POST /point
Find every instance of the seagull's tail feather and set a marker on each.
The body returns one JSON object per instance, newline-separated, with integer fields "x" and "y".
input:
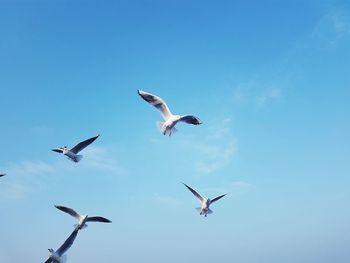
{"x": 78, "y": 158}
{"x": 63, "y": 258}
{"x": 160, "y": 126}
{"x": 210, "y": 212}
{"x": 173, "y": 130}
{"x": 80, "y": 227}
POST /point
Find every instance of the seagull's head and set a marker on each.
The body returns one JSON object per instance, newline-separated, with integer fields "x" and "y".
{"x": 64, "y": 149}
{"x": 51, "y": 250}
{"x": 82, "y": 222}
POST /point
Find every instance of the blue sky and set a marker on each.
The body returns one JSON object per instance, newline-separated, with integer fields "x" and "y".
{"x": 270, "y": 81}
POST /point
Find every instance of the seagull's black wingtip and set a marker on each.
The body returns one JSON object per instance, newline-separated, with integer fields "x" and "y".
{"x": 185, "y": 184}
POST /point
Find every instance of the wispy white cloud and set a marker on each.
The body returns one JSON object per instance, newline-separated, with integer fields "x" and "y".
{"x": 100, "y": 158}
{"x": 257, "y": 93}
{"x": 272, "y": 93}
{"x": 214, "y": 191}
{"x": 166, "y": 200}
{"x": 240, "y": 184}
{"x": 42, "y": 130}
{"x": 231, "y": 188}
{"x": 332, "y": 28}
{"x": 24, "y": 178}
{"x": 27, "y": 168}
{"x": 213, "y": 151}
{"x": 240, "y": 187}
{"x": 270, "y": 85}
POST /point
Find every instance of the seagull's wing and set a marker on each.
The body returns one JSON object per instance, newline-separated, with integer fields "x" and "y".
{"x": 49, "y": 260}
{"x": 81, "y": 145}
{"x": 68, "y": 210}
{"x": 157, "y": 102}
{"x": 68, "y": 243}
{"x": 98, "y": 219}
{"x": 216, "y": 198}
{"x": 195, "y": 193}
{"x": 58, "y": 150}
{"x": 1, "y": 175}
{"x": 190, "y": 119}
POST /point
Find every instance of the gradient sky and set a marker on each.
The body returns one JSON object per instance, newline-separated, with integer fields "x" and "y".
{"x": 270, "y": 81}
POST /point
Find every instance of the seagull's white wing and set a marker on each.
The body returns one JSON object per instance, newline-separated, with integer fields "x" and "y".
{"x": 68, "y": 243}
{"x": 157, "y": 102}
{"x": 68, "y": 210}
{"x": 80, "y": 146}
{"x": 98, "y": 219}
{"x": 191, "y": 119}
{"x": 195, "y": 193}
{"x": 216, "y": 198}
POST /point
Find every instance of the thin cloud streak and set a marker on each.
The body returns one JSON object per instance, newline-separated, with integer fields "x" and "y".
{"x": 27, "y": 177}
{"x": 257, "y": 93}
{"x": 100, "y": 158}
{"x": 215, "y": 150}
{"x": 24, "y": 178}
{"x": 166, "y": 200}
{"x": 332, "y": 28}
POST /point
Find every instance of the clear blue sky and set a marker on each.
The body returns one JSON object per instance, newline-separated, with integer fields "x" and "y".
{"x": 270, "y": 81}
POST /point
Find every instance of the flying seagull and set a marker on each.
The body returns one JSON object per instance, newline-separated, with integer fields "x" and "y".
{"x": 168, "y": 126}
{"x": 1, "y": 175}
{"x": 73, "y": 153}
{"x": 205, "y": 202}
{"x": 56, "y": 256}
{"x": 82, "y": 218}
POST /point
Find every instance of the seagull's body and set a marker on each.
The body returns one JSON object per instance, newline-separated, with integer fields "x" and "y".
{"x": 170, "y": 120}
{"x": 72, "y": 154}
{"x": 205, "y": 202}
{"x": 82, "y": 219}
{"x": 56, "y": 256}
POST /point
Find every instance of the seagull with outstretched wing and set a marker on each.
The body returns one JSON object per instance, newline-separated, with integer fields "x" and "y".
{"x": 168, "y": 126}
{"x": 82, "y": 219}
{"x": 205, "y": 202}
{"x": 72, "y": 154}
{"x": 57, "y": 256}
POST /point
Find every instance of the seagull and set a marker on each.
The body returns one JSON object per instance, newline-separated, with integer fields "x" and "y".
{"x": 82, "y": 218}
{"x": 205, "y": 202}
{"x": 168, "y": 126}
{"x": 1, "y": 175}
{"x": 73, "y": 153}
{"x": 56, "y": 256}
